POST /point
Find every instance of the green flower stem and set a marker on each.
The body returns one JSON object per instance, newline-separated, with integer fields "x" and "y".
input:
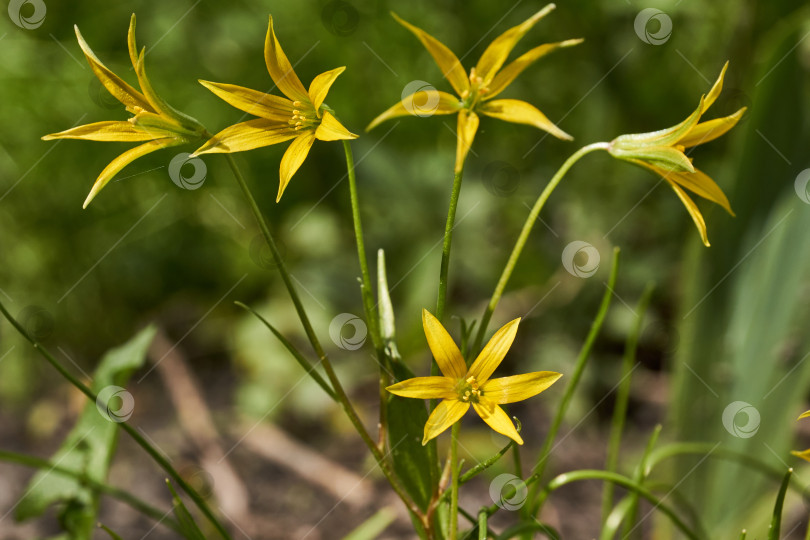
{"x": 340, "y": 393}
{"x": 622, "y": 400}
{"x": 94, "y": 485}
{"x": 524, "y": 236}
{"x": 441, "y": 301}
{"x": 482, "y": 525}
{"x": 579, "y": 368}
{"x": 368, "y": 297}
{"x": 622, "y": 481}
{"x": 366, "y": 288}
{"x": 153, "y": 453}
{"x": 454, "y": 480}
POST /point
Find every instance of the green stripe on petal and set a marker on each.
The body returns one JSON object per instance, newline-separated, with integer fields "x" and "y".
{"x": 113, "y": 130}
{"x": 248, "y": 135}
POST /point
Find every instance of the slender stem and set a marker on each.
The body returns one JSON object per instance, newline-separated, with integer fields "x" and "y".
{"x": 366, "y": 288}
{"x": 367, "y": 293}
{"x": 454, "y": 480}
{"x": 340, "y": 393}
{"x": 153, "y": 453}
{"x": 622, "y": 401}
{"x": 94, "y": 485}
{"x": 482, "y": 524}
{"x": 441, "y": 301}
{"x": 524, "y": 236}
{"x": 582, "y": 360}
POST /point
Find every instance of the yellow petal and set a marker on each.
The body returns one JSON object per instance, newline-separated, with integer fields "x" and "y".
{"x": 498, "y": 51}
{"x": 320, "y": 86}
{"x": 132, "y": 47}
{"x": 710, "y": 130}
{"x": 508, "y": 74}
{"x": 103, "y": 131}
{"x": 119, "y": 89}
{"x": 467, "y": 127}
{"x": 662, "y": 137}
{"x": 280, "y": 69}
{"x": 293, "y": 158}
{"x": 247, "y": 136}
{"x": 497, "y": 419}
{"x": 444, "y": 57}
{"x": 805, "y": 414}
{"x": 804, "y": 454}
{"x": 425, "y": 388}
{"x": 701, "y": 184}
{"x": 158, "y": 103}
{"x": 660, "y": 158}
{"x": 716, "y": 89}
{"x": 446, "y": 413}
{"x": 520, "y": 112}
{"x": 444, "y": 349}
{"x": 518, "y": 387}
{"x": 252, "y": 101}
{"x": 122, "y": 161}
{"x": 332, "y": 130}
{"x": 421, "y": 103}
{"x": 693, "y": 210}
{"x": 494, "y": 351}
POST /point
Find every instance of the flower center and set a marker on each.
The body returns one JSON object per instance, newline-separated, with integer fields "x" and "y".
{"x": 303, "y": 116}
{"x": 476, "y": 92}
{"x": 468, "y": 390}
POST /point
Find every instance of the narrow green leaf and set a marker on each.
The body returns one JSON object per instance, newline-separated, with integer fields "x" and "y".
{"x": 776, "y": 520}
{"x": 89, "y": 447}
{"x": 109, "y": 532}
{"x": 373, "y": 527}
{"x": 188, "y": 526}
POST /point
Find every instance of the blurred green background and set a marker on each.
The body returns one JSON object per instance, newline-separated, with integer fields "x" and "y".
{"x": 727, "y": 324}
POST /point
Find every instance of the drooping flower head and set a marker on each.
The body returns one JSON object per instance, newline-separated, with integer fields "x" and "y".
{"x": 459, "y": 386}
{"x": 153, "y": 120}
{"x": 475, "y": 91}
{"x": 663, "y": 152}
{"x": 302, "y": 116}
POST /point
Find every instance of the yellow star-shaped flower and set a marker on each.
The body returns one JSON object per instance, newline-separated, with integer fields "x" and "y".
{"x": 475, "y": 92}
{"x": 663, "y": 153}
{"x": 302, "y": 116}
{"x": 460, "y": 387}
{"x": 154, "y": 120}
